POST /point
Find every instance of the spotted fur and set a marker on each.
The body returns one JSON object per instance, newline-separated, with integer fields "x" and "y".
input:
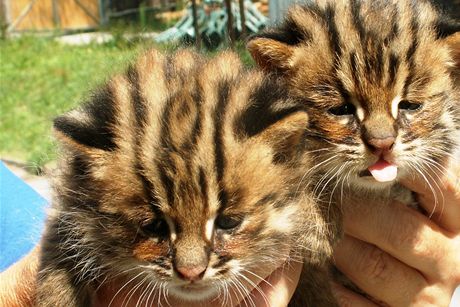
{"x": 182, "y": 177}
{"x": 370, "y": 73}
{"x": 368, "y": 70}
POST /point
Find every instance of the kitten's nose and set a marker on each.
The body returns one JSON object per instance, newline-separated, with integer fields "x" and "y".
{"x": 381, "y": 144}
{"x": 192, "y": 273}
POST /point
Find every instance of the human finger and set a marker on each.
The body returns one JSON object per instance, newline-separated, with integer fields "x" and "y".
{"x": 405, "y": 234}
{"x": 348, "y": 298}
{"x": 377, "y": 273}
{"x": 17, "y": 283}
{"x": 439, "y": 195}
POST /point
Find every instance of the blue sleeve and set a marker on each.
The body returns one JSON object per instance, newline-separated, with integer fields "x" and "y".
{"x": 22, "y": 216}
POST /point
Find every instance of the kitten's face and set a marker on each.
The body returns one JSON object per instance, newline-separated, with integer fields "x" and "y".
{"x": 191, "y": 195}
{"x": 208, "y": 236}
{"x": 375, "y": 78}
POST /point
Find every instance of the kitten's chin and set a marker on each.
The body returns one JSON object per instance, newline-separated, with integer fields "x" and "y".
{"x": 193, "y": 293}
{"x": 369, "y": 183}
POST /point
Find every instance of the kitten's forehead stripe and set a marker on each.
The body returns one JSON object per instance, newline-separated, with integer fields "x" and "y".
{"x": 223, "y": 92}
{"x": 140, "y": 110}
{"x": 138, "y": 101}
{"x": 166, "y": 166}
{"x": 410, "y": 54}
{"x": 147, "y": 185}
{"x": 357, "y": 20}
{"x": 204, "y": 186}
{"x": 334, "y": 40}
{"x": 392, "y": 35}
{"x": 393, "y": 68}
{"x": 197, "y": 96}
{"x": 354, "y": 66}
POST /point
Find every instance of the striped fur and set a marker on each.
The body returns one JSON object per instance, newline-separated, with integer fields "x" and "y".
{"x": 181, "y": 162}
{"x": 373, "y": 57}
{"x": 358, "y": 67}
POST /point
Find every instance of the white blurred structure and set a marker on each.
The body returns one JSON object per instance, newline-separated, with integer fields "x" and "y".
{"x": 277, "y": 9}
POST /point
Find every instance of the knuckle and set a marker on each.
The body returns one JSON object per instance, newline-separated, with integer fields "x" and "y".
{"x": 431, "y": 297}
{"x": 345, "y": 301}
{"x": 375, "y": 265}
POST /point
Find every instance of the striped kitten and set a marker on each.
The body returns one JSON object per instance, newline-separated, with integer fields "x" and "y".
{"x": 379, "y": 80}
{"x": 181, "y": 179}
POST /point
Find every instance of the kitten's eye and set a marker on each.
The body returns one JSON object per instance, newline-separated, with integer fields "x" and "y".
{"x": 345, "y": 109}
{"x": 409, "y": 106}
{"x": 157, "y": 228}
{"x": 228, "y": 222}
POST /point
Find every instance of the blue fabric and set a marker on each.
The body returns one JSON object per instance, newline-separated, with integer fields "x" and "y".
{"x": 22, "y": 215}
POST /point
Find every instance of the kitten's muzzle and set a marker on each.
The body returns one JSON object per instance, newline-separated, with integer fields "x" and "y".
{"x": 379, "y": 134}
{"x": 364, "y": 173}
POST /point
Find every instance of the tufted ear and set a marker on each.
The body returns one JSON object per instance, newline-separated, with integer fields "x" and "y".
{"x": 286, "y": 136}
{"x": 453, "y": 41}
{"x": 448, "y": 21}
{"x": 270, "y": 54}
{"x": 273, "y": 49}
{"x": 448, "y": 30}
{"x": 91, "y": 126}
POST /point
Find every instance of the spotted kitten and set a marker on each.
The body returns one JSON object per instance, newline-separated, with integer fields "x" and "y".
{"x": 379, "y": 80}
{"x": 181, "y": 178}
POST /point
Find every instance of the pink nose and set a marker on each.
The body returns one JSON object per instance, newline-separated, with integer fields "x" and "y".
{"x": 381, "y": 144}
{"x": 191, "y": 273}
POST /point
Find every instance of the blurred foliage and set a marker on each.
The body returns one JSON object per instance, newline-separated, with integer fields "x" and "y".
{"x": 41, "y": 78}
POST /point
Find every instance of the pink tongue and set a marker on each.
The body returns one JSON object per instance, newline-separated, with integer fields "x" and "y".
{"x": 383, "y": 171}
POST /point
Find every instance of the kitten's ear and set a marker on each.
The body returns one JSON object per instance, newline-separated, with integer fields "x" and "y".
{"x": 448, "y": 30}
{"x": 89, "y": 127}
{"x": 446, "y": 27}
{"x": 270, "y": 54}
{"x": 273, "y": 49}
{"x": 286, "y": 135}
{"x": 453, "y": 41}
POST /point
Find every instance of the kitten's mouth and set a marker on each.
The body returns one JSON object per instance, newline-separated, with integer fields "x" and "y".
{"x": 194, "y": 287}
{"x": 382, "y": 171}
{"x": 365, "y": 173}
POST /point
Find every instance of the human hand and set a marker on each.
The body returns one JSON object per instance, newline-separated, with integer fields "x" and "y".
{"x": 399, "y": 256}
{"x": 17, "y": 283}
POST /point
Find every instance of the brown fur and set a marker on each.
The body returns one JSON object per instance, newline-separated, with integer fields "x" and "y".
{"x": 365, "y": 55}
{"x": 155, "y": 166}
{"x": 369, "y": 54}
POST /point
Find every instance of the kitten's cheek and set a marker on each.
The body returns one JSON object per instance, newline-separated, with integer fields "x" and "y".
{"x": 149, "y": 250}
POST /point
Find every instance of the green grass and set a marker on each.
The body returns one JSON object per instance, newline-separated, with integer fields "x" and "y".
{"x": 40, "y": 79}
